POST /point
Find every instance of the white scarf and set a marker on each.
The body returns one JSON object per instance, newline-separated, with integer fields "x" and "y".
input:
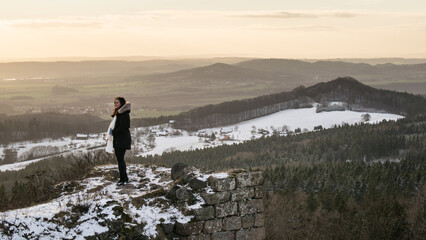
{"x": 109, "y": 138}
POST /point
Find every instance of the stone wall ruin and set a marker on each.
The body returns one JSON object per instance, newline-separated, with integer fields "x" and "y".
{"x": 233, "y": 206}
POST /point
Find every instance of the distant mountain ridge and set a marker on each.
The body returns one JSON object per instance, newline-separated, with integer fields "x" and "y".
{"x": 180, "y": 85}
{"x": 331, "y": 69}
{"x": 347, "y": 89}
{"x": 102, "y": 67}
{"x": 287, "y": 74}
{"x": 373, "y": 61}
{"x": 215, "y": 72}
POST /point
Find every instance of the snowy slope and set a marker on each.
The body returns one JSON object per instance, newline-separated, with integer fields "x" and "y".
{"x": 99, "y": 204}
{"x": 303, "y": 118}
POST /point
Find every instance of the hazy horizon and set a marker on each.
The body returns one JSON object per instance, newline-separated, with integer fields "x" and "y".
{"x": 305, "y": 29}
{"x": 179, "y": 57}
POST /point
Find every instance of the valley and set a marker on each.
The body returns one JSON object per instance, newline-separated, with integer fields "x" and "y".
{"x": 168, "y": 87}
{"x": 164, "y": 138}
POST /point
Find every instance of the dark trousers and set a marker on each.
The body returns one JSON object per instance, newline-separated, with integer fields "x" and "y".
{"x": 119, "y": 154}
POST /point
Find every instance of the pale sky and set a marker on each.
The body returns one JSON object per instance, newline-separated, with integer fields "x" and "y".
{"x": 173, "y": 28}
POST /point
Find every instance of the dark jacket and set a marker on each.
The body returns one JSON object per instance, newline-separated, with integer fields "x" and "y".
{"x": 121, "y": 131}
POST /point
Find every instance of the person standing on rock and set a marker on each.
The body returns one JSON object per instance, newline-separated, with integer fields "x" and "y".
{"x": 121, "y": 135}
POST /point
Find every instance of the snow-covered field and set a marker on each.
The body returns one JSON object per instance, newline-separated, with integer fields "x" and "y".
{"x": 305, "y": 119}
{"x": 152, "y": 140}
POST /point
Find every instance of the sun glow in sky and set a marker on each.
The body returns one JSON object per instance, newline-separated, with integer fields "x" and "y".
{"x": 172, "y": 28}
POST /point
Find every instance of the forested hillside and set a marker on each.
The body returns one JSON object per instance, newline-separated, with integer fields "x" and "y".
{"x": 361, "y": 96}
{"x": 357, "y": 95}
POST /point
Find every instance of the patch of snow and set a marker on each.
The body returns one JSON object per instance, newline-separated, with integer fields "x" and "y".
{"x": 90, "y": 228}
{"x": 181, "y": 143}
{"x": 220, "y": 175}
{"x": 154, "y": 215}
{"x": 384, "y": 160}
{"x": 198, "y": 204}
{"x": 337, "y": 103}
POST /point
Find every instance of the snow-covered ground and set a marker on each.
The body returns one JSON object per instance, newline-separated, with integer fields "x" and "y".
{"x": 48, "y": 148}
{"x": 100, "y": 196}
{"x": 182, "y": 143}
{"x": 151, "y": 141}
{"x": 63, "y": 144}
{"x": 305, "y": 119}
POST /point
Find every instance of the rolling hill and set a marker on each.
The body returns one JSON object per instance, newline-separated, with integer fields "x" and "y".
{"x": 360, "y": 97}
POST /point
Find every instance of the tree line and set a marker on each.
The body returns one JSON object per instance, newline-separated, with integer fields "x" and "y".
{"x": 47, "y": 125}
